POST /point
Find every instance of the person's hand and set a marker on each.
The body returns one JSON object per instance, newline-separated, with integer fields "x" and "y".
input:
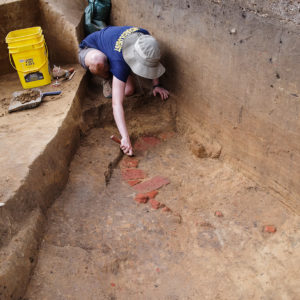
{"x": 126, "y": 146}
{"x": 164, "y": 94}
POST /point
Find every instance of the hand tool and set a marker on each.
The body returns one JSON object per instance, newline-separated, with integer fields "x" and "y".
{"x": 118, "y": 141}
{"x": 115, "y": 139}
{"x": 28, "y": 99}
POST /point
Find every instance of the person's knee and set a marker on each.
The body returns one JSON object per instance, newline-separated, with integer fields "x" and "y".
{"x": 98, "y": 64}
{"x": 129, "y": 90}
{"x": 130, "y": 86}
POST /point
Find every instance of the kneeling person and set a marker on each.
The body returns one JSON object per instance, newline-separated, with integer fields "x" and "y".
{"x": 119, "y": 50}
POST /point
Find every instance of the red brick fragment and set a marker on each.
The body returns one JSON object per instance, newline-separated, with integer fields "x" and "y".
{"x": 146, "y": 142}
{"x": 113, "y": 284}
{"x": 129, "y": 163}
{"x": 132, "y": 174}
{"x": 152, "y": 194}
{"x": 166, "y": 209}
{"x": 151, "y": 184}
{"x": 269, "y": 229}
{"x": 219, "y": 214}
{"x": 151, "y": 140}
{"x": 140, "y": 146}
{"x": 166, "y": 135}
{"x": 133, "y": 182}
{"x": 141, "y": 198}
{"x": 154, "y": 203}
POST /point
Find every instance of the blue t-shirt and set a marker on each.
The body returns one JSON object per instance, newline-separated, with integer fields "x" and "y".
{"x": 110, "y": 41}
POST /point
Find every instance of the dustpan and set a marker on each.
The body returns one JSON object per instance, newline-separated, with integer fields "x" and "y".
{"x": 28, "y": 99}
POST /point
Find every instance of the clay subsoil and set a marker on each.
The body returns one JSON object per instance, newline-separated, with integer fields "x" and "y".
{"x": 102, "y": 244}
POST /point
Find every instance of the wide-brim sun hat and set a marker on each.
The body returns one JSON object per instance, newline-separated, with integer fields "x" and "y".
{"x": 141, "y": 52}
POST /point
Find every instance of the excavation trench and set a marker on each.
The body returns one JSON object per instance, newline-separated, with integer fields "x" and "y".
{"x": 226, "y": 142}
{"x": 102, "y": 244}
{"x": 203, "y": 240}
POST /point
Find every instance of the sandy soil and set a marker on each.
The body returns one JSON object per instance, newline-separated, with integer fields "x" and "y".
{"x": 19, "y": 130}
{"x": 27, "y": 96}
{"x": 101, "y": 244}
{"x": 4, "y": 103}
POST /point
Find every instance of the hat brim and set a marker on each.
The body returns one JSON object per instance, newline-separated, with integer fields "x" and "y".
{"x": 129, "y": 55}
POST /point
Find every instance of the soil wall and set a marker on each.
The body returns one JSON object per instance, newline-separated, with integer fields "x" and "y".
{"x": 234, "y": 67}
{"x": 23, "y": 217}
{"x": 15, "y": 15}
{"x": 61, "y": 21}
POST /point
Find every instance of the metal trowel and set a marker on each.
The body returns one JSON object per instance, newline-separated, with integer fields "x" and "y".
{"x": 28, "y": 99}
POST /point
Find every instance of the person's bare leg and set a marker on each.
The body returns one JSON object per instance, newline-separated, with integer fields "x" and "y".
{"x": 98, "y": 65}
{"x": 130, "y": 86}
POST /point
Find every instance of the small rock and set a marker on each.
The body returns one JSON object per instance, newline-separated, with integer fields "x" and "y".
{"x": 198, "y": 150}
{"x": 233, "y": 31}
{"x": 2, "y": 204}
{"x": 219, "y": 214}
{"x": 269, "y": 229}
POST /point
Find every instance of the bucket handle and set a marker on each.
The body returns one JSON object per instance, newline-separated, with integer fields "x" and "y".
{"x": 34, "y": 70}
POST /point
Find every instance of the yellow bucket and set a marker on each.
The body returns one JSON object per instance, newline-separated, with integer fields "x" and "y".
{"x": 28, "y": 50}
{"x": 17, "y": 36}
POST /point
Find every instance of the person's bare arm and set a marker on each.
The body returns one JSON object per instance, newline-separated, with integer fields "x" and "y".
{"x": 118, "y": 92}
{"x": 164, "y": 94}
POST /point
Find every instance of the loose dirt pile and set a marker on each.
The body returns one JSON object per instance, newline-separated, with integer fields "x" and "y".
{"x": 4, "y": 103}
{"x": 25, "y": 97}
{"x": 28, "y": 96}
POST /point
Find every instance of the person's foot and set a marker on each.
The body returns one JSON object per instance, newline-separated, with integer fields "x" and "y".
{"x": 107, "y": 89}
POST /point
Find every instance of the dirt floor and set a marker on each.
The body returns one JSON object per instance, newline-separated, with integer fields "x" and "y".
{"x": 203, "y": 240}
